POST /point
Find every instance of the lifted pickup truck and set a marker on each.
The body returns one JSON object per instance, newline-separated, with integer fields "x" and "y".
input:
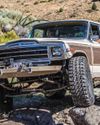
{"x": 58, "y": 56}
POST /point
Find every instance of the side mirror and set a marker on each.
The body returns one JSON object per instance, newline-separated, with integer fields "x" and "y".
{"x": 94, "y": 37}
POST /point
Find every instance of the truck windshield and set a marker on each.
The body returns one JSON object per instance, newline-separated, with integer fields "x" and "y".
{"x": 70, "y": 31}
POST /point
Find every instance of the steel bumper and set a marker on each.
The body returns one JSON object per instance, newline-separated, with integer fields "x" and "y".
{"x": 31, "y": 71}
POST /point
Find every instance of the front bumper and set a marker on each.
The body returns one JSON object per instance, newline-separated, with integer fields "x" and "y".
{"x": 29, "y": 72}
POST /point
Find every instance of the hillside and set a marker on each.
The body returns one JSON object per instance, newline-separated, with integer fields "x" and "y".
{"x": 54, "y": 9}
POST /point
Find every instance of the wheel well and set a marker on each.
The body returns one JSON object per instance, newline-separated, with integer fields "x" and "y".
{"x": 75, "y": 55}
{"x": 79, "y": 54}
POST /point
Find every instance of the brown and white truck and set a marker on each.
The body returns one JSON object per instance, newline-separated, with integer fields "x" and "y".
{"x": 58, "y": 56}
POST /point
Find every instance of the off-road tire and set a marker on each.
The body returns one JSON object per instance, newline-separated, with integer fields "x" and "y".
{"x": 80, "y": 82}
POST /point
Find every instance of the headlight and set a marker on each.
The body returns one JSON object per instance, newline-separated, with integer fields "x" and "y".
{"x": 56, "y": 51}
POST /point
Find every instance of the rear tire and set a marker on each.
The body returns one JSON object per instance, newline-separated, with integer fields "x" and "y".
{"x": 80, "y": 82}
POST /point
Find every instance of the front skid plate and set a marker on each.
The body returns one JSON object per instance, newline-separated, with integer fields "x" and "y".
{"x": 33, "y": 71}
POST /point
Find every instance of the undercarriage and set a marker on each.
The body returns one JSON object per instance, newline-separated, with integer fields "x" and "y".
{"x": 50, "y": 85}
{"x": 29, "y": 85}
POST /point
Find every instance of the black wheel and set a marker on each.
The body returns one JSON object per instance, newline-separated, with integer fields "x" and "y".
{"x": 56, "y": 95}
{"x": 80, "y": 82}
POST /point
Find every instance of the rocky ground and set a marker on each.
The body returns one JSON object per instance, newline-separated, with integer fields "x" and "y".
{"x": 26, "y": 107}
{"x": 54, "y": 9}
{"x": 28, "y": 110}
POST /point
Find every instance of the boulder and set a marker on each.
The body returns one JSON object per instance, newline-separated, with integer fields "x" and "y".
{"x": 33, "y": 117}
{"x": 21, "y": 31}
{"x": 7, "y": 28}
{"x": 86, "y": 116}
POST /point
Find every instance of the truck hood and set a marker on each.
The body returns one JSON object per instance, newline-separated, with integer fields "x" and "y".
{"x": 32, "y": 42}
{"x": 24, "y": 43}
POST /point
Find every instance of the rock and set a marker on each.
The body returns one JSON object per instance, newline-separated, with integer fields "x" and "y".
{"x": 86, "y": 116}
{"x": 6, "y": 28}
{"x": 33, "y": 117}
{"x": 63, "y": 117}
{"x": 21, "y": 31}
{"x": 26, "y": 108}
{"x": 97, "y": 92}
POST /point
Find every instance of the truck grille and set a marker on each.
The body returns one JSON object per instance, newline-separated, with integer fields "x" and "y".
{"x": 24, "y": 53}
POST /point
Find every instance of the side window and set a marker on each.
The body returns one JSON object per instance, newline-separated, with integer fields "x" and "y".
{"x": 38, "y": 33}
{"x": 95, "y": 32}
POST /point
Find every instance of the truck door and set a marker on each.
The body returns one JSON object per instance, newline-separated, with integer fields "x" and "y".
{"x": 95, "y": 37}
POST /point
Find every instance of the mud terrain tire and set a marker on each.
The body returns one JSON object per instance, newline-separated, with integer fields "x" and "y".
{"x": 80, "y": 82}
